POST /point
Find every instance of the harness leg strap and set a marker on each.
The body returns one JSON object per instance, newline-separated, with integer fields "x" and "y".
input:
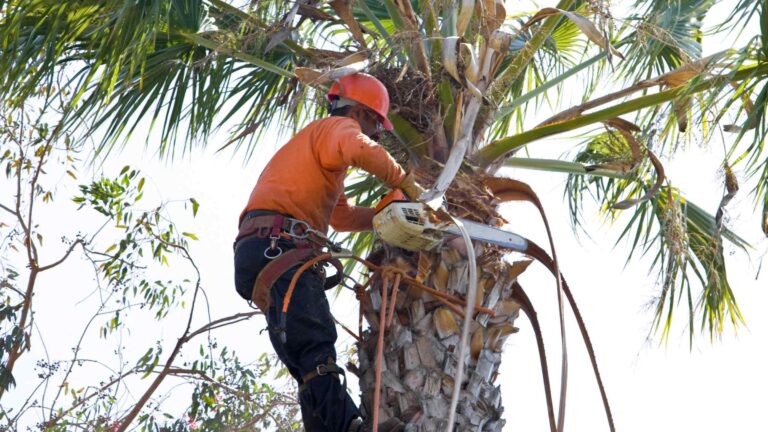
{"x": 329, "y": 367}
{"x": 272, "y": 272}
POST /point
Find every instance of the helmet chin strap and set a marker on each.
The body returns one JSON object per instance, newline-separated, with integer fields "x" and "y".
{"x": 341, "y": 102}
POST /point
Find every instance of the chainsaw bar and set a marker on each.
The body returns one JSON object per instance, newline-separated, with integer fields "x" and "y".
{"x": 407, "y": 225}
{"x": 487, "y": 234}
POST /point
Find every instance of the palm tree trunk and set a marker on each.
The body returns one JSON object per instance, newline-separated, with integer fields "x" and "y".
{"x": 421, "y": 346}
{"x": 421, "y": 343}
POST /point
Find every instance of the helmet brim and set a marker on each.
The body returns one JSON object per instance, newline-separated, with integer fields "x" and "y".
{"x": 387, "y": 124}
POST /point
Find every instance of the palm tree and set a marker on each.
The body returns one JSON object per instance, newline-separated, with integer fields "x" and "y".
{"x": 462, "y": 77}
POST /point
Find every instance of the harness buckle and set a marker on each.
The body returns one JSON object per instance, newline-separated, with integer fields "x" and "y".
{"x": 322, "y": 369}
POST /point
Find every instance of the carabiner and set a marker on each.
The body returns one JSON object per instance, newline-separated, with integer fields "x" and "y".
{"x": 273, "y": 247}
{"x": 305, "y": 232}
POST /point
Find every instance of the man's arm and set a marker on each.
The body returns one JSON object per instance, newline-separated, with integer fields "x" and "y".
{"x": 346, "y": 145}
{"x": 345, "y": 218}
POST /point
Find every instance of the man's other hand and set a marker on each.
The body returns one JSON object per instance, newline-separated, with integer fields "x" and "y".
{"x": 411, "y": 187}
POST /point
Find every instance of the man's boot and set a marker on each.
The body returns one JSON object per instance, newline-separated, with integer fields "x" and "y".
{"x": 391, "y": 425}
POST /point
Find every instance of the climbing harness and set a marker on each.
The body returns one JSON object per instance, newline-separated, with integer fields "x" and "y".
{"x": 307, "y": 243}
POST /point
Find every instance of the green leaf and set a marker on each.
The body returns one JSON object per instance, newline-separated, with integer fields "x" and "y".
{"x": 195, "y": 206}
{"x": 152, "y": 366}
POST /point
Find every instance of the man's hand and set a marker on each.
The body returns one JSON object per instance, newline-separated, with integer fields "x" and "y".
{"x": 411, "y": 187}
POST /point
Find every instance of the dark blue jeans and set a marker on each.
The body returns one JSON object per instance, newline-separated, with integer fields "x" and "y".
{"x": 310, "y": 336}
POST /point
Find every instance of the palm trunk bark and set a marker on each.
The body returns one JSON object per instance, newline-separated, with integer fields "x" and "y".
{"x": 421, "y": 344}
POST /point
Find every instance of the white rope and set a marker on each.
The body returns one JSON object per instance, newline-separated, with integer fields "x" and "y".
{"x": 468, "y": 317}
{"x": 563, "y": 347}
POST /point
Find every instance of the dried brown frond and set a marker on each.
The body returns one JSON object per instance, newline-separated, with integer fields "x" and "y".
{"x": 467, "y": 197}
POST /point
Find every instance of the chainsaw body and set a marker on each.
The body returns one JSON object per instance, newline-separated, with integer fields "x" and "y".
{"x": 406, "y": 225}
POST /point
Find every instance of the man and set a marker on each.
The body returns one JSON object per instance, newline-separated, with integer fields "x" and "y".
{"x": 303, "y": 186}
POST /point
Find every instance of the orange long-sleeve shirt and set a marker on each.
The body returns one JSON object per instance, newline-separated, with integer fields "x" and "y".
{"x": 305, "y": 178}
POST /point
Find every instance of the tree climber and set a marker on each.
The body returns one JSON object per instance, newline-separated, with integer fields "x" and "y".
{"x": 302, "y": 189}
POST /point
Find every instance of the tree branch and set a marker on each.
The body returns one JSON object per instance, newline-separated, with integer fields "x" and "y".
{"x": 52, "y": 422}
{"x": 8, "y": 209}
{"x": 16, "y": 348}
{"x": 203, "y": 376}
{"x": 4, "y": 284}
{"x": 66, "y": 255}
{"x": 76, "y": 350}
{"x": 232, "y": 319}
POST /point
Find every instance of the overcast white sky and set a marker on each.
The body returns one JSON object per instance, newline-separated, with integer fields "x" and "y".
{"x": 709, "y": 387}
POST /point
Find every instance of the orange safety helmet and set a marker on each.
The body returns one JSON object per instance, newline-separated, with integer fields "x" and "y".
{"x": 365, "y": 89}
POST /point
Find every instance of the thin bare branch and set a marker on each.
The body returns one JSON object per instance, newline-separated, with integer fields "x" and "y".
{"x": 8, "y": 209}
{"x": 62, "y": 259}
{"x": 232, "y": 319}
{"x": 52, "y": 422}
{"x": 134, "y": 412}
{"x": 5, "y": 284}
{"x": 76, "y": 351}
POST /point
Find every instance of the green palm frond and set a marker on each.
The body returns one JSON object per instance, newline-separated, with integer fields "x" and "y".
{"x": 684, "y": 239}
{"x": 519, "y": 103}
{"x": 559, "y": 56}
{"x": 564, "y": 48}
{"x": 187, "y": 68}
{"x": 663, "y": 35}
{"x": 743, "y": 12}
{"x": 511, "y": 72}
{"x": 763, "y": 31}
{"x": 165, "y": 61}
{"x": 699, "y": 83}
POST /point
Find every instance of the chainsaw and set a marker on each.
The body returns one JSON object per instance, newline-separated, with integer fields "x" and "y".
{"x": 413, "y": 226}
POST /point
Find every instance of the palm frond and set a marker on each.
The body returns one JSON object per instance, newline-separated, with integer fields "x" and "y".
{"x": 167, "y": 61}
{"x": 503, "y": 115}
{"x": 519, "y": 62}
{"x": 662, "y": 36}
{"x": 742, "y": 13}
{"x": 685, "y": 239}
{"x": 570, "y": 120}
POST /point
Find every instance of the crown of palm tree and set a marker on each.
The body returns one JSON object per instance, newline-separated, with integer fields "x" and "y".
{"x": 463, "y": 79}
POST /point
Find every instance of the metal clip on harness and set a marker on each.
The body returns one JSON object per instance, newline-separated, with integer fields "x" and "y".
{"x": 273, "y": 247}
